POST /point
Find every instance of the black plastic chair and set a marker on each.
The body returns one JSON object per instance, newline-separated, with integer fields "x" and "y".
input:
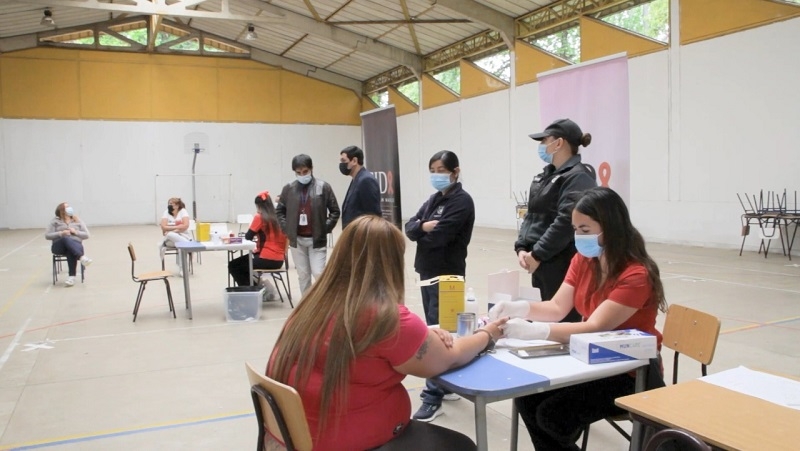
{"x": 57, "y": 260}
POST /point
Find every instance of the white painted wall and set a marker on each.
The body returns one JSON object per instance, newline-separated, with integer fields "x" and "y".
{"x": 108, "y": 170}
{"x": 737, "y": 111}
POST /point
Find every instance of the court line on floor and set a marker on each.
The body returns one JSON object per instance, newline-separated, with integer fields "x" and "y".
{"x": 669, "y": 262}
{"x": 38, "y": 236}
{"x": 748, "y": 285}
{"x": 78, "y": 438}
{"x": 759, "y": 325}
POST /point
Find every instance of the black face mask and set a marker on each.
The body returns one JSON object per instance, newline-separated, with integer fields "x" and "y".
{"x": 170, "y": 210}
{"x": 343, "y": 168}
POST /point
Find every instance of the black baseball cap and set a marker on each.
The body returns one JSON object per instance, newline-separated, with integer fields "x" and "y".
{"x": 562, "y": 128}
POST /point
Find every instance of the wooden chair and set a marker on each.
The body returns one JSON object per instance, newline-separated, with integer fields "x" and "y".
{"x": 58, "y": 259}
{"x": 142, "y": 280}
{"x": 279, "y": 411}
{"x": 279, "y": 275}
{"x": 686, "y": 331}
{"x": 685, "y": 441}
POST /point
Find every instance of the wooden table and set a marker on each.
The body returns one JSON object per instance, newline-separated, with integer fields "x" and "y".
{"x": 721, "y": 417}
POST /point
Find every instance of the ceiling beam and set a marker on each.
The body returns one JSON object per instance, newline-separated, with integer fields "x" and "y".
{"x": 21, "y": 42}
{"x": 484, "y": 15}
{"x": 307, "y": 70}
{"x": 341, "y": 36}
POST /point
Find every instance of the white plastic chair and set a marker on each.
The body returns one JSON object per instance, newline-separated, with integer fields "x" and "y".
{"x": 243, "y": 219}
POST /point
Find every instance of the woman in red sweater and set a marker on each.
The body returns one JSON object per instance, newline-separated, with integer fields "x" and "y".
{"x": 270, "y": 246}
{"x": 613, "y": 284}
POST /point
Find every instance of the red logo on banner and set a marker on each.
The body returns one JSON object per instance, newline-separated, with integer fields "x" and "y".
{"x": 605, "y": 173}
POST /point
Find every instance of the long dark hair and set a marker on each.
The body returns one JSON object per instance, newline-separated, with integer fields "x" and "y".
{"x": 268, "y": 215}
{"x": 622, "y": 243}
{"x": 353, "y": 305}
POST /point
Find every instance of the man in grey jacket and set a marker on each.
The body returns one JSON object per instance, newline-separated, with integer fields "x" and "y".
{"x": 307, "y": 211}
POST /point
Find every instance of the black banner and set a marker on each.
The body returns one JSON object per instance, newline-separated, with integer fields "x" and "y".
{"x": 381, "y": 154}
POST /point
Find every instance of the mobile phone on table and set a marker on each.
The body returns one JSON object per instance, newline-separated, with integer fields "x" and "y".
{"x": 541, "y": 351}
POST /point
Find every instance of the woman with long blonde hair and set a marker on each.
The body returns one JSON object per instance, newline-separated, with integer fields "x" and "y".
{"x": 350, "y": 343}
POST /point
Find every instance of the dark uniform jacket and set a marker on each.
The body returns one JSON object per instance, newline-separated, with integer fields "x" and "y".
{"x": 443, "y": 250}
{"x": 547, "y": 228}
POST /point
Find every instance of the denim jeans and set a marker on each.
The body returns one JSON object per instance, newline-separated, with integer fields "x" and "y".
{"x": 432, "y": 394}
{"x": 70, "y": 248}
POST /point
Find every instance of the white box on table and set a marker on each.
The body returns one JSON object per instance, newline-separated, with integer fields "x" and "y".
{"x": 243, "y": 303}
{"x": 613, "y": 346}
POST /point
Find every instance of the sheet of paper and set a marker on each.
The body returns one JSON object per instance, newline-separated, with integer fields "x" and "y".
{"x": 530, "y": 294}
{"x": 775, "y": 389}
{"x": 503, "y": 285}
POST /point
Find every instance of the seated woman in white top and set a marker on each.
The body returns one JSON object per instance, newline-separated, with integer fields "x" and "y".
{"x": 174, "y": 227}
{"x": 67, "y": 233}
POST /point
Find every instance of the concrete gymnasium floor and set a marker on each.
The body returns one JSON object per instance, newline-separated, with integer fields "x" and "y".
{"x": 77, "y": 374}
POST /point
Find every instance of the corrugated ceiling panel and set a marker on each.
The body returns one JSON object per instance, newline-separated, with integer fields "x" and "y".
{"x": 25, "y": 22}
{"x": 317, "y": 52}
{"x": 515, "y": 8}
{"x": 361, "y": 66}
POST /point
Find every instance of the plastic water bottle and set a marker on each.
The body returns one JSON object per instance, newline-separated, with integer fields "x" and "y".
{"x": 471, "y": 304}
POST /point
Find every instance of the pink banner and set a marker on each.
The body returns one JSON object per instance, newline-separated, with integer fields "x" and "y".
{"x": 595, "y": 96}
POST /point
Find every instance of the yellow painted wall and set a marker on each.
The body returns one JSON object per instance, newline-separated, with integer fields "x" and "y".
{"x": 401, "y": 104}
{"x": 82, "y": 84}
{"x": 599, "y": 39}
{"x": 476, "y": 82}
{"x": 367, "y": 104}
{"x": 532, "y": 61}
{"x": 434, "y": 93}
{"x": 704, "y": 19}
{"x": 307, "y": 101}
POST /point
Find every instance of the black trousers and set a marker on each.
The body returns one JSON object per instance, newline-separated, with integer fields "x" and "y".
{"x": 549, "y": 277}
{"x": 240, "y": 269}
{"x": 70, "y": 248}
{"x": 555, "y": 419}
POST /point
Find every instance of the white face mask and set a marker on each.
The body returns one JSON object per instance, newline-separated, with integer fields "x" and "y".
{"x": 304, "y": 179}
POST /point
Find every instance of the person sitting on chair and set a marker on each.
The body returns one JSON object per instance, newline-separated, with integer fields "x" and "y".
{"x": 270, "y": 243}
{"x": 174, "y": 227}
{"x": 613, "y": 284}
{"x": 67, "y": 232}
{"x": 348, "y": 346}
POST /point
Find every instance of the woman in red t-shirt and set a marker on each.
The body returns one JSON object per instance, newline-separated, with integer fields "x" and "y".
{"x": 351, "y": 342}
{"x": 270, "y": 245}
{"x": 614, "y": 284}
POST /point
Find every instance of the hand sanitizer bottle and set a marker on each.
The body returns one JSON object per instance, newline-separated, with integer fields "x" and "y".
{"x": 471, "y": 304}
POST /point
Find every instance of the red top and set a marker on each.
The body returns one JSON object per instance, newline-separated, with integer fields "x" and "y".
{"x": 274, "y": 246}
{"x": 378, "y": 403}
{"x": 632, "y": 289}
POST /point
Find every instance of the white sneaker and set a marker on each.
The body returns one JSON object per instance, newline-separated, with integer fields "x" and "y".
{"x": 86, "y": 261}
{"x": 69, "y": 282}
{"x": 451, "y": 397}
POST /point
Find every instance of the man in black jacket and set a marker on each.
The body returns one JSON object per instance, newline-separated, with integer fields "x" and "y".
{"x": 363, "y": 195}
{"x": 308, "y": 212}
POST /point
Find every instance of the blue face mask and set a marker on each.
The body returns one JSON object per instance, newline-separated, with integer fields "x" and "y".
{"x": 440, "y": 182}
{"x": 546, "y": 157}
{"x": 304, "y": 179}
{"x": 588, "y": 245}
{"x": 69, "y": 211}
